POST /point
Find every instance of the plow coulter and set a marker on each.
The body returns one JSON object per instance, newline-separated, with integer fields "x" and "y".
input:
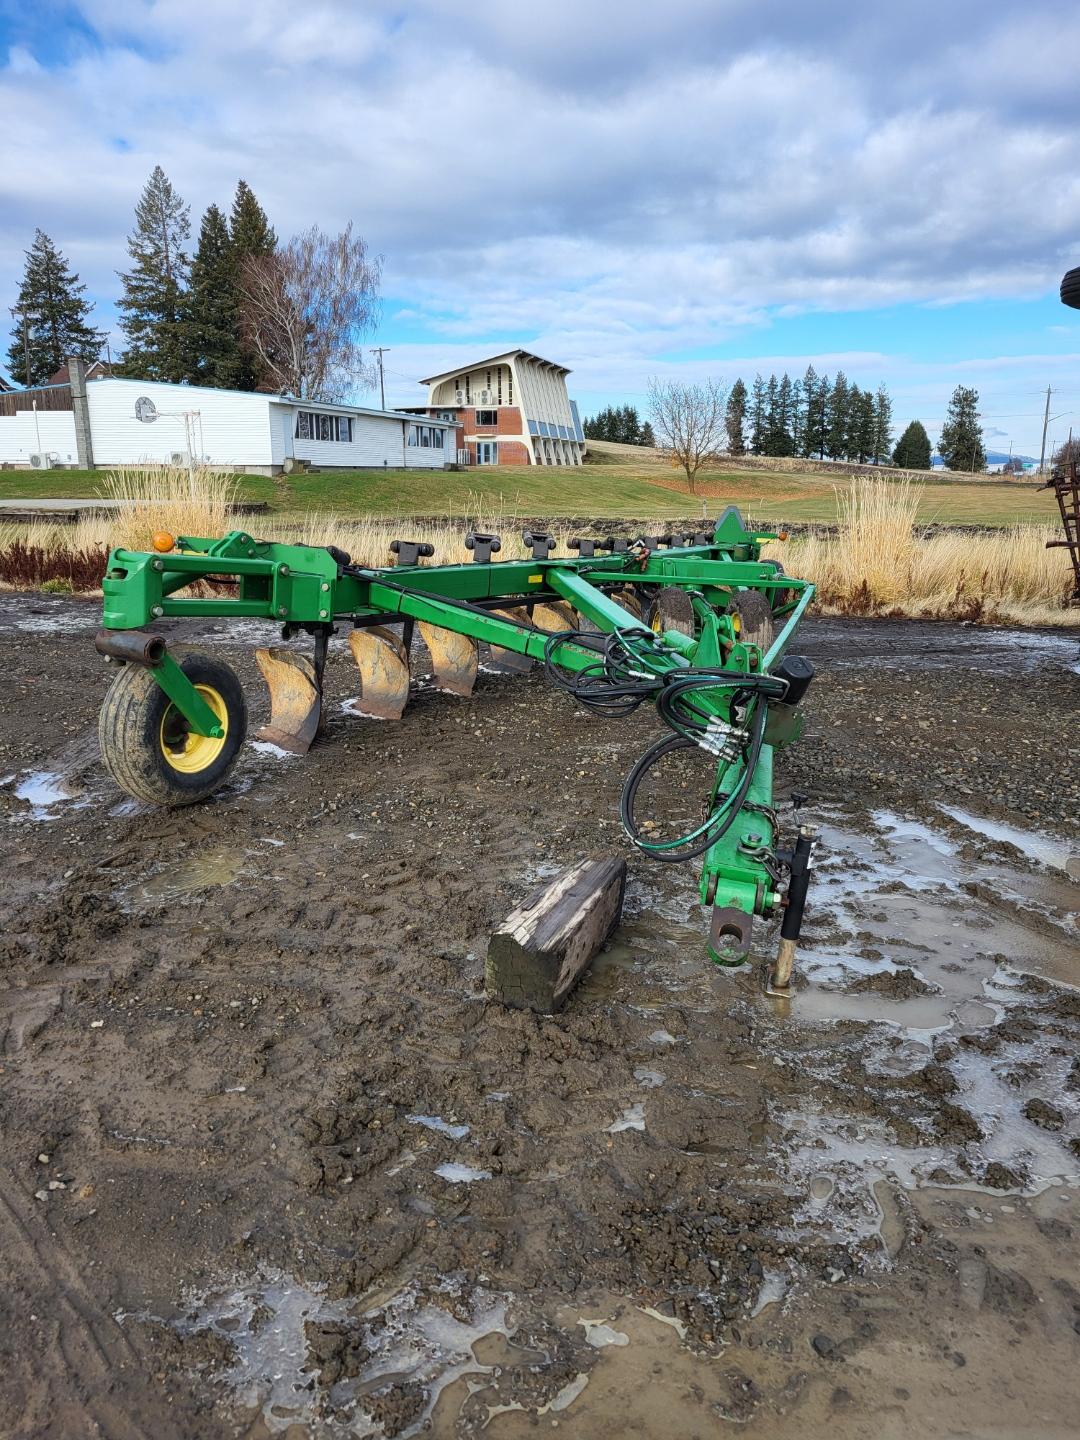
{"x": 697, "y": 626}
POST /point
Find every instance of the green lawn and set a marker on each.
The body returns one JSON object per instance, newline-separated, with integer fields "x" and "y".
{"x": 614, "y": 484}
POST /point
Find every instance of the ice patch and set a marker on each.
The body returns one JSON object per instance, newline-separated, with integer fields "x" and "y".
{"x": 443, "y": 1127}
{"x": 461, "y": 1174}
{"x": 632, "y": 1118}
{"x": 649, "y": 1078}
{"x": 599, "y": 1334}
{"x": 271, "y": 751}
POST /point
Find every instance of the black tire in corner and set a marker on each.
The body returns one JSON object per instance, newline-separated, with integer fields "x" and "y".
{"x": 755, "y": 618}
{"x": 1070, "y": 289}
{"x": 146, "y": 743}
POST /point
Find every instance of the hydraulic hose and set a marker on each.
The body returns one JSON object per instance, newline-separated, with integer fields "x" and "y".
{"x": 722, "y": 816}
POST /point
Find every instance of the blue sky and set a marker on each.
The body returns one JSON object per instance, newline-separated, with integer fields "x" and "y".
{"x": 710, "y": 187}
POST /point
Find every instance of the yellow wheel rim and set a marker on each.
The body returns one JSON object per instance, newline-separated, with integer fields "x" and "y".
{"x": 183, "y": 749}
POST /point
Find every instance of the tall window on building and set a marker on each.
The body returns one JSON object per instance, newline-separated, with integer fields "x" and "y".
{"x": 509, "y": 386}
{"x": 499, "y": 378}
{"x": 313, "y": 426}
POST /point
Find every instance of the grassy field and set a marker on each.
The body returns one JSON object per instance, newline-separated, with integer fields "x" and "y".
{"x": 620, "y": 480}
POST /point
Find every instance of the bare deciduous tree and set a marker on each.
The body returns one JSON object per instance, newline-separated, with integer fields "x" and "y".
{"x": 689, "y": 421}
{"x": 305, "y": 309}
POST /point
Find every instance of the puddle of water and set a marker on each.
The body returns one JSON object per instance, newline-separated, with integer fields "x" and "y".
{"x": 443, "y": 1127}
{"x": 44, "y": 789}
{"x": 204, "y": 871}
{"x": 406, "y": 1339}
{"x": 1033, "y": 843}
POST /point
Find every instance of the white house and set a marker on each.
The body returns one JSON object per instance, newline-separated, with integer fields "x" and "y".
{"x": 512, "y": 409}
{"x": 99, "y": 425}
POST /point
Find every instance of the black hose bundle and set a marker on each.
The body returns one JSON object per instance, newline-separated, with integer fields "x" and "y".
{"x": 618, "y": 682}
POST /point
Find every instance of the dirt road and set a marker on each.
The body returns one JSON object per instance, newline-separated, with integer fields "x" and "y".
{"x": 271, "y": 1164}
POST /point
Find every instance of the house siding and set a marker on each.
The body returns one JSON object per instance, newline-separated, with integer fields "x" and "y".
{"x": 54, "y": 434}
{"x": 232, "y": 429}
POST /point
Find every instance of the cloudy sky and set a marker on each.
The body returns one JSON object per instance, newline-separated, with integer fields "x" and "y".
{"x": 700, "y": 187}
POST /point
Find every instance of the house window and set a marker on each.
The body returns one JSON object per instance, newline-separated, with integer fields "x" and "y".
{"x": 487, "y": 417}
{"x": 498, "y": 376}
{"x": 447, "y": 415}
{"x": 509, "y": 386}
{"x": 414, "y": 437}
{"x": 311, "y": 426}
{"x": 437, "y": 435}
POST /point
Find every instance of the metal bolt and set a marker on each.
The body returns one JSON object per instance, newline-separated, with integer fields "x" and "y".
{"x": 283, "y": 570}
{"x": 323, "y": 614}
{"x": 324, "y": 586}
{"x": 282, "y": 610}
{"x": 753, "y": 838}
{"x": 158, "y": 564}
{"x": 156, "y": 610}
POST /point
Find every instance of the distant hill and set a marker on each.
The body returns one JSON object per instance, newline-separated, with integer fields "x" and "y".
{"x": 993, "y": 457}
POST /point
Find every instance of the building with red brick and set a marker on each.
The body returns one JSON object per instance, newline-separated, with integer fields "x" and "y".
{"x": 512, "y": 409}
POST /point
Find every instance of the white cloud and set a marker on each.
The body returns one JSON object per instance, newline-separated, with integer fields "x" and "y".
{"x": 616, "y": 182}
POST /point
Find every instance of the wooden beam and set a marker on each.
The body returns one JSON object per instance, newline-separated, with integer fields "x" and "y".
{"x": 541, "y": 950}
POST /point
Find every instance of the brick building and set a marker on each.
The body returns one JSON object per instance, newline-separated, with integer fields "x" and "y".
{"x": 512, "y": 409}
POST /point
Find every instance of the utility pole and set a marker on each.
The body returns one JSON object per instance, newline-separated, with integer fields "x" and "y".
{"x": 1046, "y": 421}
{"x": 380, "y": 351}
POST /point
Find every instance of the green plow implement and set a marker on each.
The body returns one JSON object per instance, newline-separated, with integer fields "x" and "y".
{"x": 699, "y": 626}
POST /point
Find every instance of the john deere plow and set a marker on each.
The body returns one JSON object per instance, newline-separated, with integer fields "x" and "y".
{"x": 698, "y": 626}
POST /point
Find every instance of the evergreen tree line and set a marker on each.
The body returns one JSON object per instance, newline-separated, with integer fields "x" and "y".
{"x": 620, "y": 423}
{"x": 180, "y": 313}
{"x": 811, "y": 417}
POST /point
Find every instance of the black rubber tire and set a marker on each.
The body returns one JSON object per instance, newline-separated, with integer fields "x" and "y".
{"x": 1070, "y": 289}
{"x": 671, "y": 609}
{"x": 755, "y": 618}
{"x": 130, "y": 727}
{"x": 779, "y": 598}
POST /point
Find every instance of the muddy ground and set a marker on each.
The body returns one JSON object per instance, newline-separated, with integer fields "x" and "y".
{"x": 271, "y": 1164}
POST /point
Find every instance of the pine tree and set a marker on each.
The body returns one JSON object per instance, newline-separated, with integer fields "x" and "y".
{"x": 54, "y": 314}
{"x": 647, "y": 436}
{"x": 815, "y": 403}
{"x": 913, "y": 448}
{"x": 252, "y": 235}
{"x": 249, "y": 228}
{"x": 758, "y": 416}
{"x": 861, "y": 446}
{"x": 152, "y": 305}
{"x": 961, "y": 443}
{"x": 854, "y": 421}
{"x": 836, "y": 418}
{"x": 796, "y": 417}
{"x": 882, "y": 426}
{"x": 212, "y": 309}
{"x": 735, "y": 419}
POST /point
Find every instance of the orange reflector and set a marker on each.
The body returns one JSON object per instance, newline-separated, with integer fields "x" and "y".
{"x": 781, "y": 535}
{"x": 162, "y": 542}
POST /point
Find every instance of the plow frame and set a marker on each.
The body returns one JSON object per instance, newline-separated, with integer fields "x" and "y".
{"x": 314, "y": 589}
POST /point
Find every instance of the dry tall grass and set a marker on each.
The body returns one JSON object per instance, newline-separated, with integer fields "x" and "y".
{"x": 875, "y": 564}
{"x": 167, "y": 497}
